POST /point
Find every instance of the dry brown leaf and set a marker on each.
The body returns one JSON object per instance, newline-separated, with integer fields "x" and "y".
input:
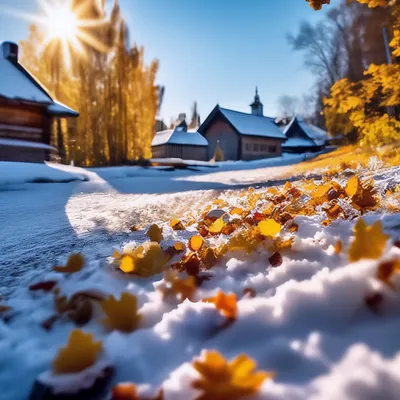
{"x": 46, "y": 286}
{"x": 177, "y": 225}
{"x": 276, "y": 260}
{"x": 154, "y": 233}
{"x": 387, "y": 269}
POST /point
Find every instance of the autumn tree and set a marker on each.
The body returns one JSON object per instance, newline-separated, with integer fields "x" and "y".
{"x": 106, "y": 79}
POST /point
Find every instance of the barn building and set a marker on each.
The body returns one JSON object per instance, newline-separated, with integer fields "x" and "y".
{"x": 26, "y": 111}
{"x": 242, "y": 136}
{"x": 180, "y": 142}
{"x": 303, "y": 137}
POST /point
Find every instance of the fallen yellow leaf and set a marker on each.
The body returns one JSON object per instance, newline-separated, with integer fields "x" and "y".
{"x": 369, "y": 241}
{"x": 269, "y": 227}
{"x": 74, "y": 264}
{"x": 217, "y": 226}
{"x": 225, "y": 303}
{"x": 80, "y": 353}
{"x": 121, "y": 314}
{"x": 196, "y": 243}
{"x": 223, "y": 380}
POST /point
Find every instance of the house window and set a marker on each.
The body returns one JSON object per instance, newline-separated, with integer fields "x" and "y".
{"x": 272, "y": 149}
{"x": 256, "y": 147}
{"x": 264, "y": 148}
{"x": 248, "y": 147}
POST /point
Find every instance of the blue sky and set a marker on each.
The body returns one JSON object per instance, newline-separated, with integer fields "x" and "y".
{"x": 211, "y": 51}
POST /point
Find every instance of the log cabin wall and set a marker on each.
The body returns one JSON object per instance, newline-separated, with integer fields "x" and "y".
{"x": 24, "y": 122}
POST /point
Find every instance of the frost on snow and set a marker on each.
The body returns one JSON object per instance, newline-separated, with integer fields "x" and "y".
{"x": 290, "y": 292}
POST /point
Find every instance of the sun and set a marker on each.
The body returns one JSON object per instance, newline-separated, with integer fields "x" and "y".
{"x": 68, "y": 25}
{"x": 62, "y": 23}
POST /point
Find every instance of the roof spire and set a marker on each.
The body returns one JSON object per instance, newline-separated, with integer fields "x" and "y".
{"x": 257, "y": 106}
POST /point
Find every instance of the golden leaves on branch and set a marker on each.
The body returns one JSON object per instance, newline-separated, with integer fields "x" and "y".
{"x": 74, "y": 263}
{"x": 146, "y": 260}
{"x": 225, "y": 303}
{"x": 122, "y": 314}
{"x": 81, "y": 352}
{"x": 222, "y": 380}
{"x": 369, "y": 241}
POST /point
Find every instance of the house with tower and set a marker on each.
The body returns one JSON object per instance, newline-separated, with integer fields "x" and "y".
{"x": 242, "y": 136}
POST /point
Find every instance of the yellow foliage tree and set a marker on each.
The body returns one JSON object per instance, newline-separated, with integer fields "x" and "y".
{"x": 370, "y": 103}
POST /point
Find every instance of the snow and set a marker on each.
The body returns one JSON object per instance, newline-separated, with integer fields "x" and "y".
{"x": 180, "y": 137}
{"x": 307, "y": 322}
{"x": 15, "y": 85}
{"x": 25, "y": 143}
{"x": 252, "y": 125}
{"x": 298, "y": 142}
{"x": 58, "y": 108}
{"x": 12, "y": 173}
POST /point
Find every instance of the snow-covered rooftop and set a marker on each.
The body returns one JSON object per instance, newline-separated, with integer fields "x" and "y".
{"x": 317, "y": 135}
{"x": 17, "y": 83}
{"x": 252, "y": 125}
{"x": 14, "y": 84}
{"x": 179, "y": 136}
{"x": 298, "y": 142}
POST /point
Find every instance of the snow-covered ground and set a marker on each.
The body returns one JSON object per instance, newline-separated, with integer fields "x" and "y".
{"x": 308, "y": 321}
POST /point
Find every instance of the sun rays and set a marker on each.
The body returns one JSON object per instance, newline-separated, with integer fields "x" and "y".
{"x": 74, "y": 26}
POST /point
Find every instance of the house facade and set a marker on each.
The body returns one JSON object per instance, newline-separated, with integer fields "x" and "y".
{"x": 180, "y": 143}
{"x": 303, "y": 137}
{"x": 26, "y": 111}
{"x": 242, "y": 136}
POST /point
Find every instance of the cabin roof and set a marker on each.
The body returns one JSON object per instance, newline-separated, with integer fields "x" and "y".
{"x": 317, "y": 135}
{"x": 247, "y": 124}
{"x": 17, "y": 83}
{"x": 180, "y": 137}
{"x": 298, "y": 142}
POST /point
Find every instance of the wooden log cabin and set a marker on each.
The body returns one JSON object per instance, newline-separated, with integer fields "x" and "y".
{"x": 26, "y": 111}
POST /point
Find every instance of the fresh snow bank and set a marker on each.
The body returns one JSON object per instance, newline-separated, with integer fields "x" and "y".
{"x": 18, "y": 172}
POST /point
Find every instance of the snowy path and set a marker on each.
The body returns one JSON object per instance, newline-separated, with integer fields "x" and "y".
{"x": 39, "y": 223}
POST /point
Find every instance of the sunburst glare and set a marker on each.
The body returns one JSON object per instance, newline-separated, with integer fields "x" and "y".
{"x": 66, "y": 22}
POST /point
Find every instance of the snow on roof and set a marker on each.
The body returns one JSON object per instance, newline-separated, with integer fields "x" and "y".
{"x": 23, "y": 143}
{"x": 252, "y": 125}
{"x": 14, "y": 84}
{"x": 179, "y": 136}
{"x": 61, "y": 109}
{"x": 317, "y": 135}
{"x": 298, "y": 142}
{"x": 17, "y": 83}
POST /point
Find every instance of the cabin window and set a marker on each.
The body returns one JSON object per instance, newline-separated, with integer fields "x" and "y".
{"x": 248, "y": 147}
{"x": 256, "y": 147}
{"x": 272, "y": 149}
{"x": 264, "y": 148}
